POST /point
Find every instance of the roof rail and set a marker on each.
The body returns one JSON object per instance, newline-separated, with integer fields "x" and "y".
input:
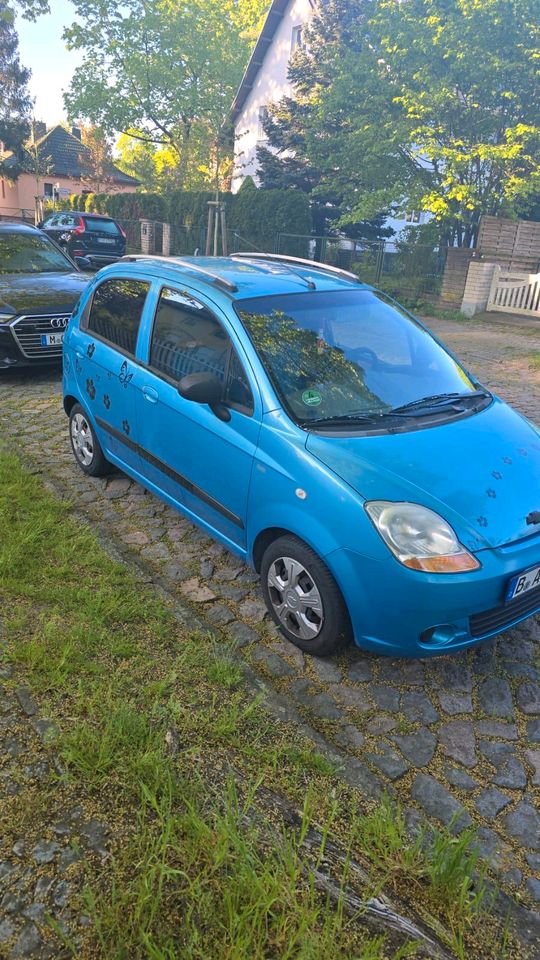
{"x": 178, "y": 261}
{"x": 314, "y": 264}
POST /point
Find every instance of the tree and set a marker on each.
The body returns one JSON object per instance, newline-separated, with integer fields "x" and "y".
{"x": 162, "y": 72}
{"x": 430, "y": 104}
{"x": 15, "y": 100}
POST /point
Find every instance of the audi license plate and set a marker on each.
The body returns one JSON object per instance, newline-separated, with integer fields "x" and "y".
{"x": 523, "y": 582}
{"x": 52, "y": 339}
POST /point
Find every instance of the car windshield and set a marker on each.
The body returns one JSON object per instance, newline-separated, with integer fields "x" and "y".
{"x": 101, "y": 226}
{"x": 30, "y": 253}
{"x": 348, "y": 353}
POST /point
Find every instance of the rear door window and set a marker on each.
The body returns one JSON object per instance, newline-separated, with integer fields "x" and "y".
{"x": 116, "y": 310}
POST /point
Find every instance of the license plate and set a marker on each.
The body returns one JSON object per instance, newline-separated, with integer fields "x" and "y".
{"x": 105, "y": 240}
{"x": 52, "y": 339}
{"x": 523, "y": 582}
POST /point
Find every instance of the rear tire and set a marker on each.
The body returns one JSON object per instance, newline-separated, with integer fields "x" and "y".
{"x": 85, "y": 445}
{"x": 303, "y": 598}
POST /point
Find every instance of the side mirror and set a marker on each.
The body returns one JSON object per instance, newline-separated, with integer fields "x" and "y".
{"x": 40, "y": 225}
{"x": 83, "y": 263}
{"x": 204, "y": 388}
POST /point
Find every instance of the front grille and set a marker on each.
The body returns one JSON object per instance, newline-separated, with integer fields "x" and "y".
{"x": 500, "y": 617}
{"x": 28, "y": 332}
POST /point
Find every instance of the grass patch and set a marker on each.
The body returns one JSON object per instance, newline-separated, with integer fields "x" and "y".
{"x": 534, "y": 361}
{"x": 161, "y": 739}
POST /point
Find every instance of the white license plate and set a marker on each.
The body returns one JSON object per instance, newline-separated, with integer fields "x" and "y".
{"x": 52, "y": 339}
{"x": 523, "y": 582}
{"x": 105, "y": 240}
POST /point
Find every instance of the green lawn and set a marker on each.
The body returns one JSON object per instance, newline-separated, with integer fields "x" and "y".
{"x": 161, "y": 737}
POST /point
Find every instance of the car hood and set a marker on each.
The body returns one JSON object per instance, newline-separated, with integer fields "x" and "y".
{"x": 37, "y": 293}
{"x": 481, "y": 473}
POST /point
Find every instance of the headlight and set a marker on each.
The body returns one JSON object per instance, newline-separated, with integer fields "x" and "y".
{"x": 420, "y": 538}
{"x": 6, "y": 317}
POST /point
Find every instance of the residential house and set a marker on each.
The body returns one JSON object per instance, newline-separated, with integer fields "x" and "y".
{"x": 265, "y": 81}
{"x": 54, "y": 163}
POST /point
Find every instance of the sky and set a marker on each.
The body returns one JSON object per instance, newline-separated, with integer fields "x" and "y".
{"x": 42, "y": 49}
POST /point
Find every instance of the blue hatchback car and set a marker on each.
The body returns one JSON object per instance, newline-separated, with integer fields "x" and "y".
{"x": 323, "y": 435}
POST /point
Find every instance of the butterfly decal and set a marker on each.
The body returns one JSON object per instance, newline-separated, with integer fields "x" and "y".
{"x": 125, "y": 377}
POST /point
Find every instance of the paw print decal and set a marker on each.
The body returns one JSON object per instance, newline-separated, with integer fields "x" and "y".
{"x": 522, "y": 452}
{"x": 491, "y": 493}
{"x": 497, "y": 475}
{"x": 90, "y": 350}
{"x": 507, "y": 459}
{"x": 481, "y": 521}
{"x": 78, "y": 365}
{"x": 126, "y": 427}
{"x": 106, "y": 401}
{"x": 90, "y": 389}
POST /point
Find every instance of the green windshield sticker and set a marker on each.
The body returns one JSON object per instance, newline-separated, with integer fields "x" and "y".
{"x": 311, "y": 398}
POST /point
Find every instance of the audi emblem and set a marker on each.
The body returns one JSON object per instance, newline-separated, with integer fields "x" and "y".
{"x": 59, "y": 322}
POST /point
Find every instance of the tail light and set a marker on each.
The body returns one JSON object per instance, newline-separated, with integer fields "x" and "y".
{"x": 81, "y": 227}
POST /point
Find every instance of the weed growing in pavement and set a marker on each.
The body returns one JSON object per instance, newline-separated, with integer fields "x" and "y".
{"x": 534, "y": 361}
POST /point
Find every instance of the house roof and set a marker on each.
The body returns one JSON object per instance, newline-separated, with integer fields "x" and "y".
{"x": 63, "y": 155}
{"x": 273, "y": 19}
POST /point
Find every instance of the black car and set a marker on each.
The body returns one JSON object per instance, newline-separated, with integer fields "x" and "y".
{"x": 39, "y": 287}
{"x": 99, "y": 238}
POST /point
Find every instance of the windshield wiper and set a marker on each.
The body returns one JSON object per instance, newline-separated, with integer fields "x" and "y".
{"x": 344, "y": 418}
{"x": 438, "y": 400}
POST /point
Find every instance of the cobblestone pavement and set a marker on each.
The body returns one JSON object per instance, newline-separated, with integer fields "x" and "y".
{"x": 450, "y": 736}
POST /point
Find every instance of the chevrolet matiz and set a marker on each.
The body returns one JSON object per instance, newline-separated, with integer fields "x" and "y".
{"x": 323, "y": 435}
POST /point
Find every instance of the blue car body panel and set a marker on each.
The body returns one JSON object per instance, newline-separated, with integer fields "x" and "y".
{"x": 260, "y": 472}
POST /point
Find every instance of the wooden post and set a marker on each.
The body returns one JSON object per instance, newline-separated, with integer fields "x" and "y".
{"x": 223, "y": 230}
{"x": 209, "y": 229}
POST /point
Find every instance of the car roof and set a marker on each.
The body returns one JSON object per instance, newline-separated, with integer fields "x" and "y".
{"x": 245, "y": 277}
{"x": 15, "y": 226}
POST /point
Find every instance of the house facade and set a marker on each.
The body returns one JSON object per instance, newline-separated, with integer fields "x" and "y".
{"x": 53, "y": 164}
{"x": 266, "y": 82}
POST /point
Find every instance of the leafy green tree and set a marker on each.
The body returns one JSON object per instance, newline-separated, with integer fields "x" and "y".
{"x": 163, "y": 72}
{"x": 431, "y": 104}
{"x": 15, "y": 100}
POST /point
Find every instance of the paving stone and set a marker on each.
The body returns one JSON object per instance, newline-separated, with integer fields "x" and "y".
{"x": 490, "y": 802}
{"x": 253, "y": 610}
{"x": 533, "y": 859}
{"x": 273, "y": 662}
{"x": 95, "y": 833}
{"x": 35, "y": 912}
{"x": 349, "y": 736}
{"x": 418, "y": 747}
{"x": 137, "y": 538}
{"x": 454, "y": 703}
{"x": 510, "y": 772}
{"x": 438, "y": 802}
{"x": 385, "y": 697}
{"x": 46, "y": 729}
{"x": 533, "y": 731}
{"x": 494, "y": 728}
{"x": 156, "y": 551}
{"x": 533, "y": 759}
{"x": 195, "y": 591}
{"x": 380, "y": 725}
{"x": 28, "y": 943}
{"x": 7, "y": 930}
{"x": 417, "y": 706}
{"x": 515, "y": 647}
{"x": 325, "y": 707}
{"x": 359, "y": 776}
{"x": 388, "y": 761}
{"x": 523, "y": 670}
{"x": 458, "y": 778}
{"x": 220, "y": 614}
{"x": 483, "y": 659}
{"x": 495, "y": 697}
{"x": 533, "y": 888}
{"x": 230, "y": 593}
{"x": 458, "y": 741}
{"x": 27, "y": 704}
{"x": 327, "y": 671}
{"x": 176, "y": 572}
{"x": 242, "y": 634}
{"x": 523, "y": 824}
{"x": 353, "y": 697}
{"x": 45, "y": 851}
{"x": 11, "y": 903}
{"x": 360, "y": 671}
{"x": 528, "y": 698}
{"x": 452, "y": 674}
{"x": 206, "y": 569}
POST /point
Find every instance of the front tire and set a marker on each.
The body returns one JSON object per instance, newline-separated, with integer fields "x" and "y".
{"x": 303, "y": 598}
{"x": 85, "y": 445}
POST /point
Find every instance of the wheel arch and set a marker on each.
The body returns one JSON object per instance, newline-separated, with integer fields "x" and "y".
{"x": 69, "y": 403}
{"x": 263, "y": 540}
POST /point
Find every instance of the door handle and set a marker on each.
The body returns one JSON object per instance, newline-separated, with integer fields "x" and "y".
{"x": 150, "y": 394}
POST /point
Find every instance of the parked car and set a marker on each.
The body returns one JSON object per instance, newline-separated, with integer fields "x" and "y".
{"x": 99, "y": 238}
{"x": 39, "y": 287}
{"x": 323, "y": 435}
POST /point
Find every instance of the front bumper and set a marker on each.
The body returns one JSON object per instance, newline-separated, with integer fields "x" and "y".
{"x": 20, "y": 340}
{"x": 406, "y": 613}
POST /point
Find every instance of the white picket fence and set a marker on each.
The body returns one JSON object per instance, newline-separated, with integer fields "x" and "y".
{"x": 515, "y": 292}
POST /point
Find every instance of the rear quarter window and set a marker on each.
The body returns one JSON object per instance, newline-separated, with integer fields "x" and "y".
{"x": 94, "y": 225}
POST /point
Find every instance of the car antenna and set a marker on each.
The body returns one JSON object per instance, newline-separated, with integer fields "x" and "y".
{"x": 309, "y": 283}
